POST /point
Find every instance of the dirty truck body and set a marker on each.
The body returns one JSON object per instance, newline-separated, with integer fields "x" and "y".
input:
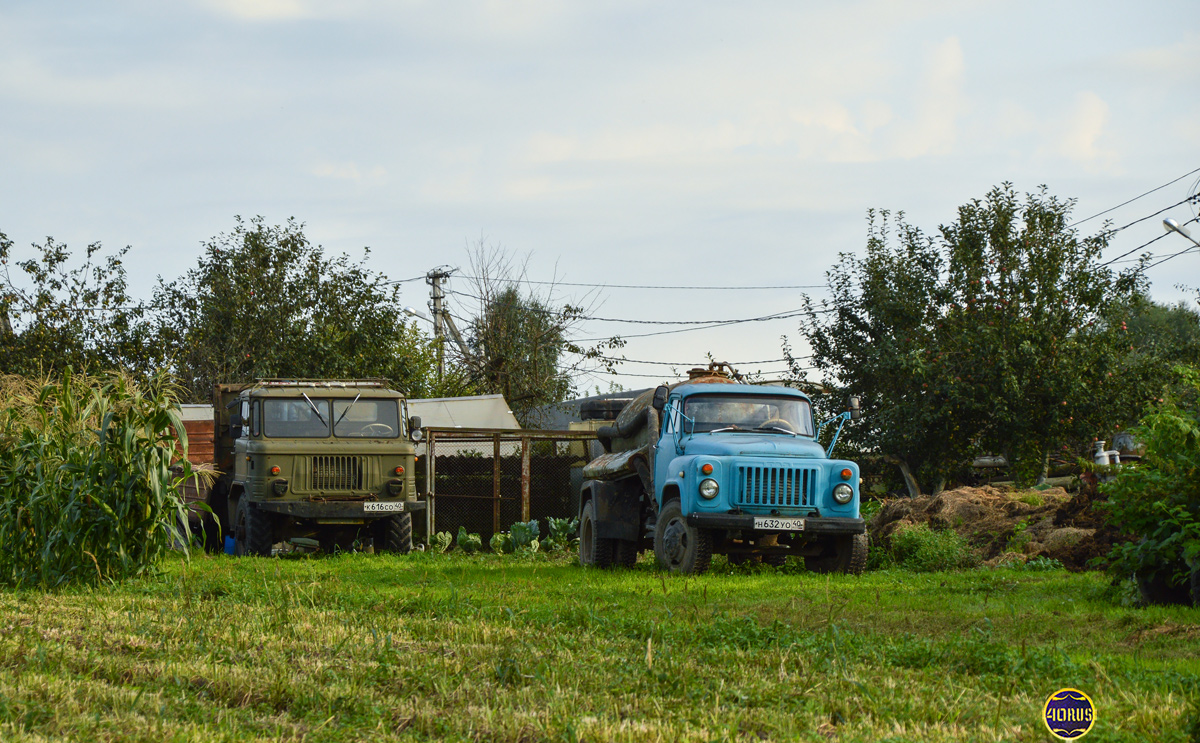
{"x": 325, "y": 460}
{"x": 711, "y": 466}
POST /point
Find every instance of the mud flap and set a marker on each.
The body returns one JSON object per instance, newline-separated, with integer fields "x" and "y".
{"x": 618, "y": 508}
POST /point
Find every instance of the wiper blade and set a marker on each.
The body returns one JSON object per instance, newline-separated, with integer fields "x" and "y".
{"x": 781, "y": 429}
{"x": 312, "y": 405}
{"x": 347, "y": 410}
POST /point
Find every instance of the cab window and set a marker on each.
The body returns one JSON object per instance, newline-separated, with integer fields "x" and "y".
{"x": 375, "y": 419}
{"x": 305, "y": 418}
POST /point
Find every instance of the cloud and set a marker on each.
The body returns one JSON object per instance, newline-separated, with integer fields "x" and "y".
{"x": 262, "y": 10}
{"x": 349, "y": 171}
{"x": 934, "y": 128}
{"x": 1083, "y": 129}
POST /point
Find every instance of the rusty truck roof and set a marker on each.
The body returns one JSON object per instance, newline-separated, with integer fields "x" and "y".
{"x": 375, "y": 388}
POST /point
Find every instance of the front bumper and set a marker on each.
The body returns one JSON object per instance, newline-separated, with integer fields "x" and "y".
{"x": 335, "y": 509}
{"x": 745, "y": 522}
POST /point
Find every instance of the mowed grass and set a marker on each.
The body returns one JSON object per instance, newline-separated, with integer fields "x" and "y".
{"x": 432, "y": 647}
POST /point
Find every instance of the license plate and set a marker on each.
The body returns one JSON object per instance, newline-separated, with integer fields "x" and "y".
{"x": 383, "y": 506}
{"x": 774, "y": 524}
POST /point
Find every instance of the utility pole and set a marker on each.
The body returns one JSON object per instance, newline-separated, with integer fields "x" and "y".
{"x": 436, "y": 295}
{"x": 442, "y": 320}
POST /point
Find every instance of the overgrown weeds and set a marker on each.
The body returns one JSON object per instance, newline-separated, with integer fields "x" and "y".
{"x": 87, "y": 491}
{"x": 921, "y": 549}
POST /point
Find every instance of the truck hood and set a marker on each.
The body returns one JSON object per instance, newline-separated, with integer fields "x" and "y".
{"x": 753, "y": 445}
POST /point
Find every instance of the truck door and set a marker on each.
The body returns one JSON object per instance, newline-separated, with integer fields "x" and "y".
{"x": 665, "y": 452}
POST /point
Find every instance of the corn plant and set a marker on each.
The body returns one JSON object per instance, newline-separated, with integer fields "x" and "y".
{"x": 87, "y": 490}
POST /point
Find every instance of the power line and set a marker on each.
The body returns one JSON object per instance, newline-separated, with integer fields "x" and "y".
{"x": 685, "y": 363}
{"x": 660, "y": 376}
{"x": 706, "y": 323}
{"x": 646, "y": 286}
{"x": 1122, "y": 255}
{"x": 1135, "y": 198}
{"x": 1147, "y": 244}
{"x": 1173, "y": 255}
{"x": 717, "y": 324}
{"x": 1151, "y": 216}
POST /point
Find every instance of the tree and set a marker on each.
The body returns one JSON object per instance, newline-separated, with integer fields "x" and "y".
{"x": 54, "y": 316}
{"x": 265, "y": 302}
{"x": 1002, "y": 334}
{"x": 519, "y": 341}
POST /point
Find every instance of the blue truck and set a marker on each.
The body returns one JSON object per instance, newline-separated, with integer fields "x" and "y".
{"x": 711, "y": 466}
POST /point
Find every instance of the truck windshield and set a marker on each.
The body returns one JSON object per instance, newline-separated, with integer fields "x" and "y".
{"x": 296, "y": 419}
{"x": 749, "y": 413}
{"x": 376, "y": 419}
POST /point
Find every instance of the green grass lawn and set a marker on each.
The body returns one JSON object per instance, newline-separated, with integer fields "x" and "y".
{"x": 379, "y": 648}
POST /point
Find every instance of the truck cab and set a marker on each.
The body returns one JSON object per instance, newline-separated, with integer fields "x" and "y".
{"x": 325, "y": 460}
{"x": 709, "y": 466}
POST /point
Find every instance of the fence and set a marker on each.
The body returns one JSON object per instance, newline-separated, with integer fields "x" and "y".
{"x": 486, "y": 479}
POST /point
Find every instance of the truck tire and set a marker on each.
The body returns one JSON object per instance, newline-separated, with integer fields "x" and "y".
{"x": 394, "y": 534}
{"x": 681, "y": 548}
{"x": 252, "y": 533}
{"x": 627, "y": 553}
{"x": 213, "y": 523}
{"x": 592, "y": 549}
{"x": 849, "y": 556}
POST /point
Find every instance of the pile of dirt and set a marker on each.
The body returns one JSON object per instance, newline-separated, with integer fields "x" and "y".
{"x": 1006, "y": 525}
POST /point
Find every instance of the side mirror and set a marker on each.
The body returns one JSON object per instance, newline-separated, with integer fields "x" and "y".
{"x": 235, "y": 425}
{"x": 854, "y": 407}
{"x": 414, "y": 428}
{"x": 660, "y": 397}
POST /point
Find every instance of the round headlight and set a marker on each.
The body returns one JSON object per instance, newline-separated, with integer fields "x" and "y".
{"x": 709, "y": 488}
{"x": 843, "y": 493}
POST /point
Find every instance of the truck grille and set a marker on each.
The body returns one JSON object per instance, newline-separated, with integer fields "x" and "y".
{"x": 336, "y": 473}
{"x": 781, "y": 487}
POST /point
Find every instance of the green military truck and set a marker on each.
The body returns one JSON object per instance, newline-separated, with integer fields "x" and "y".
{"x": 325, "y": 460}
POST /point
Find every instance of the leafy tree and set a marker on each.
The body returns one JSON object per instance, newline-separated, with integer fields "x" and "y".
{"x": 265, "y": 302}
{"x": 518, "y": 342}
{"x": 55, "y": 316}
{"x": 1000, "y": 334}
{"x": 1158, "y": 501}
{"x": 1168, "y": 332}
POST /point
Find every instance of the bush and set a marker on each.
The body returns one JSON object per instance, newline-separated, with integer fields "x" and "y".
{"x": 87, "y": 493}
{"x": 1158, "y": 502}
{"x": 921, "y": 549}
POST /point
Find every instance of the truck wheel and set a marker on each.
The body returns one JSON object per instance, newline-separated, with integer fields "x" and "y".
{"x": 679, "y": 547}
{"x": 592, "y": 549}
{"x": 394, "y": 534}
{"x": 849, "y": 556}
{"x": 214, "y": 523}
{"x": 252, "y": 533}
{"x": 627, "y": 553}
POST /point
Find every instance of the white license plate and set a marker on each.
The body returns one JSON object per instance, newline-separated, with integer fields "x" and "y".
{"x": 767, "y": 522}
{"x": 383, "y": 506}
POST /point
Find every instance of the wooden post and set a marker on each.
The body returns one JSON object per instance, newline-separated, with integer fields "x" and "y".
{"x": 524, "y": 478}
{"x": 495, "y": 482}
{"x": 430, "y": 475}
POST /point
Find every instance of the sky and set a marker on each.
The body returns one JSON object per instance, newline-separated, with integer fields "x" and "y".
{"x": 605, "y": 143}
